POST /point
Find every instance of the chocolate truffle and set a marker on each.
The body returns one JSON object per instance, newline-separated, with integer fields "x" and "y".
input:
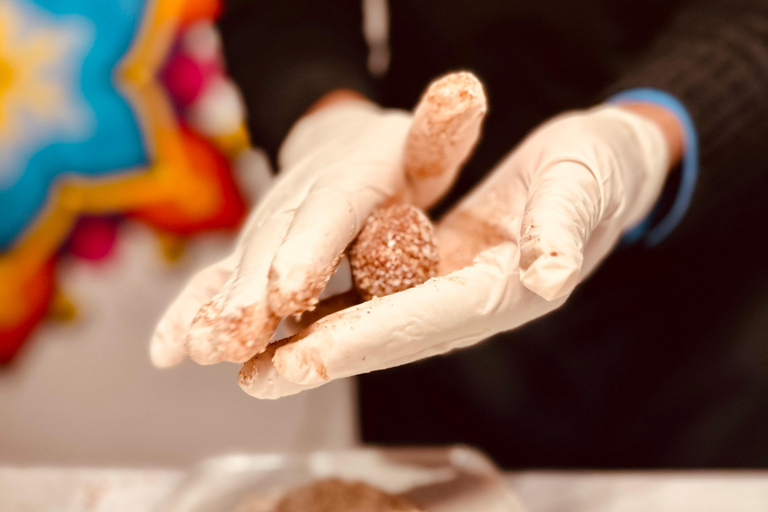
{"x": 395, "y": 250}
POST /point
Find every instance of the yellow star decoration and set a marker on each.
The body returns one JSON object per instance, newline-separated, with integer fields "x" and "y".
{"x": 34, "y": 96}
{"x": 21, "y": 68}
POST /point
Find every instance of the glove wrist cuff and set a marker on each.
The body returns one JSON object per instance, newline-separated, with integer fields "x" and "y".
{"x": 657, "y": 226}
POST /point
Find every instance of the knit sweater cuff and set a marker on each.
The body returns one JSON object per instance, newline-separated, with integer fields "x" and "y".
{"x": 721, "y": 93}
{"x": 712, "y": 60}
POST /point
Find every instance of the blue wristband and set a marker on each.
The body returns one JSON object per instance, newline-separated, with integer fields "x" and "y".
{"x": 652, "y": 235}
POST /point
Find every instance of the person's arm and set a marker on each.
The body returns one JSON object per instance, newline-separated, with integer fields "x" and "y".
{"x": 713, "y": 58}
{"x": 669, "y": 124}
{"x": 551, "y": 212}
{"x": 285, "y": 55}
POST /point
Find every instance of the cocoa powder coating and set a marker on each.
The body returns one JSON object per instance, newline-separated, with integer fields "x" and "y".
{"x": 395, "y": 250}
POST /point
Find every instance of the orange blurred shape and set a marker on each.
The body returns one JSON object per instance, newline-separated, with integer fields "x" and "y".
{"x": 196, "y": 10}
{"x": 215, "y": 185}
{"x": 33, "y": 296}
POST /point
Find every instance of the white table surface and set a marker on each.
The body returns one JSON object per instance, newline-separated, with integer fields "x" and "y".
{"x": 118, "y": 490}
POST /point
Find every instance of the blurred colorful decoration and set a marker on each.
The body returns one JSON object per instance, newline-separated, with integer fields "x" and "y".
{"x": 109, "y": 109}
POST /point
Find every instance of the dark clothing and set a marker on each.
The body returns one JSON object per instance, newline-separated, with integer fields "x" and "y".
{"x": 659, "y": 359}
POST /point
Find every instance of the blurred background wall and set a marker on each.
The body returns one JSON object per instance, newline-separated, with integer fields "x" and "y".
{"x": 125, "y": 166}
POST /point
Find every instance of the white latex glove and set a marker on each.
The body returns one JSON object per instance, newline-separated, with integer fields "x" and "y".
{"x": 337, "y": 165}
{"x": 512, "y": 251}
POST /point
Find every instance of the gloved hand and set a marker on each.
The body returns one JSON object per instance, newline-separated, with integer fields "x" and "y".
{"x": 337, "y": 165}
{"x": 512, "y": 251}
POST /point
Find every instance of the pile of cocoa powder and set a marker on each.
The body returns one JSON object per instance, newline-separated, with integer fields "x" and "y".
{"x": 330, "y": 495}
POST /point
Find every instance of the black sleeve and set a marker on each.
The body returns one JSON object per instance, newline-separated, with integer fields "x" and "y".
{"x": 714, "y": 58}
{"x": 285, "y": 54}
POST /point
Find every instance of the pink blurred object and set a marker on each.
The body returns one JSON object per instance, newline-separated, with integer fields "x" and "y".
{"x": 194, "y": 64}
{"x": 184, "y": 78}
{"x": 93, "y": 238}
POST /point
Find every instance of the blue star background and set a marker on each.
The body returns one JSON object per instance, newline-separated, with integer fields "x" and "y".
{"x": 113, "y": 146}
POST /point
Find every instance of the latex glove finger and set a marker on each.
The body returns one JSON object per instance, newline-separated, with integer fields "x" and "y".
{"x": 331, "y": 216}
{"x": 167, "y": 345}
{"x": 446, "y": 127}
{"x": 564, "y": 206}
{"x": 237, "y": 322}
{"x": 259, "y": 378}
{"x": 443, "y": 314}
{"x": 589, "y": 176}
